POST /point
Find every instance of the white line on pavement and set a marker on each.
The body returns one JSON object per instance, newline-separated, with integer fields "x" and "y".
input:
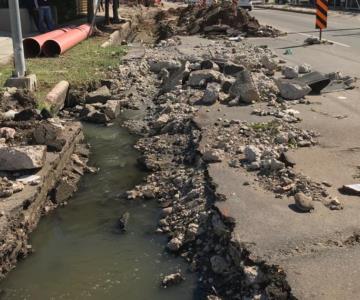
{"x": 337, "y": 43}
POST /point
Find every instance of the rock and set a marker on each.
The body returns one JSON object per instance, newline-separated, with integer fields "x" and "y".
{"x": 282, "y": 138}
{"x": 253, "y": 275}
{"x": 49, "y": 134}
{"x": 64, "y": 190}
{"x": 290, "y": 72}
{"x": 157, "y": 65}
{"x": 234, "y": 102}
{"x": 176, "y": 77}
{"x": 174, "y": 244}
{"x": 218, "y": 264}
{"x": 162, "y": 121}
{"x": 172, "y": 279}
{"x": 123, "y": 221}
{"x": 245, "y": 87}
{"x": 192, "y": 232}
{"x": 292, "y": 90}
{"x": 27, "y": 115}
{"x": 201, "y": 77}
{"x": 9, "y": 115}
{"x": 7, "y": 133}
{"x": 19, "y": 158}
{"x": 209, "y": 64}
{"x": 269, "y": 63}
{"x": 272, "y": 164}
{"x": 100, "y": 95}
{"x": 97, "y": 117}
{"x": 30, "y": 179}
{"x": 303, "y": 202}
{"x": 211, "y": 93}
{"x": 166, "y": 211}
{"x": 305, "y": 68}
{"x": 218, "y": 225}
{"x": 227, "y": 83}
{"x": 112, "y": 109}
{"x": 232, "y": 69}
{"x": 213, "y": 297}
{"x": 213, "y": 155}
{"x": 252, "y": 153}
{"x": 287, "y": 159}
{"x": 312, "y": 40}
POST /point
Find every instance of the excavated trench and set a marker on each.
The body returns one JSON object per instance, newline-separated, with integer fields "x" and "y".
{"x": 80, "y": 253}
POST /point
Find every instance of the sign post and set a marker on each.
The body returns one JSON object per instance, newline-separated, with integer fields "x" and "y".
{"x": 322, "y": 7}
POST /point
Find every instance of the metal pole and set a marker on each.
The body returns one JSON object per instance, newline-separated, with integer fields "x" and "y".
{"x": 320, "y": 34}
{"x": 16, "y": 33}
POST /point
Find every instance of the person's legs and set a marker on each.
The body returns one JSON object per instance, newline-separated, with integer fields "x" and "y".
{"x": 48, "y": 18}
{"x": 42, "y": 25}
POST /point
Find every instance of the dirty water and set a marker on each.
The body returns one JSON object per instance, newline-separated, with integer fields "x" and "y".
{"x": 80, "y": 253}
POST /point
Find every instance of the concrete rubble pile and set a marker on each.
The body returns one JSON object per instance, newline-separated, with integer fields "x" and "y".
{"x": 217, "y": 19}
{"x": 171, "y": 143}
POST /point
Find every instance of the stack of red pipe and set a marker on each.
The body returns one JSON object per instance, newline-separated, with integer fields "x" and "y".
{"x": 56, "y": 42}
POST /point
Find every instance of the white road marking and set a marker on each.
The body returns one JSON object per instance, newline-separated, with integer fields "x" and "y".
{"x": 337, "y": 43}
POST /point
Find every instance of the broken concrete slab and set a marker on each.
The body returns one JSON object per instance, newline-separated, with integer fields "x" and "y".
{"x": 19, "y": 158}
{"x": 201, "y": 77}
{"x": 245, "y": 87}
{"x": 292, "y": 90}
{"x": 112, "y": 109}
{"x": 315, "y": 80}
{"x": 102, "y": 95}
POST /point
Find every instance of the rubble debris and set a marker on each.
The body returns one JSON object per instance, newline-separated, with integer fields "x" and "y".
{"x": 290, "y": 72}
{"x": 172, "y": 279}
{"x": 304, "y": 203}
{"x": 101, "y": 95}
{"x": 244, "y": 87}
{"x": 123, "y": 221}
{"x": 49, "y": 134}
{"x": 201, "y": 77}
{"x": 292, "y": 90}
{"x": 20, "y": 158}
{"x": 315, "y": 80}
{"x": 351, "y": 189}
{"x": 312, "y": 40}
{"x": 304, "y": 68}
{"x": 220, "y": 19}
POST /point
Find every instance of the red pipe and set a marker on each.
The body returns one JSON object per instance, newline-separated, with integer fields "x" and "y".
{"x": 33, "y": 45}
{"x": 60, "y": 44}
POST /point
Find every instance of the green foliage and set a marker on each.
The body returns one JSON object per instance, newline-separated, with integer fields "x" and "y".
{"x": 81, "y": 65}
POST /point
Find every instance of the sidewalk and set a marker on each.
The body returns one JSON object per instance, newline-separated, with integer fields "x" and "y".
{"x": 6, "y": 50}
{"x": 303, "y": 10}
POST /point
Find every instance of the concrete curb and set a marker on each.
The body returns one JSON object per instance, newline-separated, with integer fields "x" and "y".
{"x": 119, "y": 35}
{"x": 288, "y": 9}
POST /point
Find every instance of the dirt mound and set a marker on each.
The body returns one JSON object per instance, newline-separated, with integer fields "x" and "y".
{"x": 216, "y": 19}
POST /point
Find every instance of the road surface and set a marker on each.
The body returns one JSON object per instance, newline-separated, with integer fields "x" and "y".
{"x": 343, "y": 32}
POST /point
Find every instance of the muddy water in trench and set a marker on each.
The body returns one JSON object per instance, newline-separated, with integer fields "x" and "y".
{"x": 80, "y": 254}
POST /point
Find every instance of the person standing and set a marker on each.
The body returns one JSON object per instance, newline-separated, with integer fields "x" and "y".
{"x": 46, "y": 22}
{"x": 30, "y": 6}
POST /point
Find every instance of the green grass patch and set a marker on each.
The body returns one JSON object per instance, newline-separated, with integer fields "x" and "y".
{"x": 270, "y": 127}
{"x": 85, "y": 63}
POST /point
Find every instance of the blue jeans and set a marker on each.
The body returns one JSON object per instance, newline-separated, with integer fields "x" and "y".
{"x": 46, "y": 22}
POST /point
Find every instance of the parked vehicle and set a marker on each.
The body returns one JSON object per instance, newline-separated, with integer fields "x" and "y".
{"x": 245, "y": 4}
